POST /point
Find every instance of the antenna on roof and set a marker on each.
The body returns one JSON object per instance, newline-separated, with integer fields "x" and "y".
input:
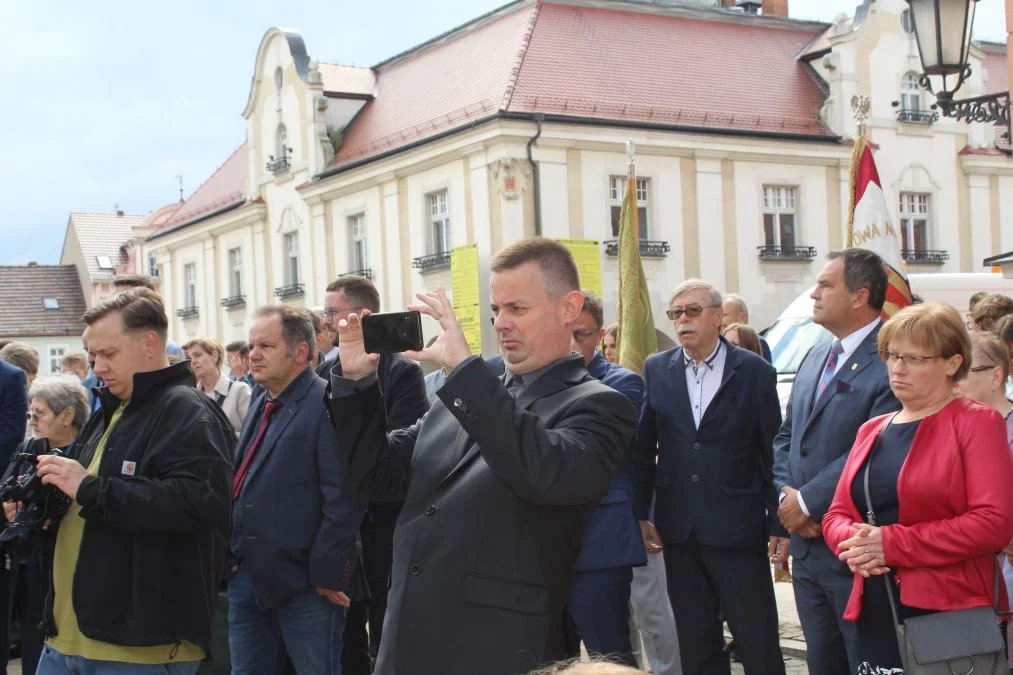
{"x": 179, "y": 179}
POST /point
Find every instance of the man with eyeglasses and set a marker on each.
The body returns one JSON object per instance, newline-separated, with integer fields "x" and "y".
{"x": 405, "y": 401}
{"x": 703, "y": 450}
{"x": 600, "y": 593}
{"x": 839, "y": 386}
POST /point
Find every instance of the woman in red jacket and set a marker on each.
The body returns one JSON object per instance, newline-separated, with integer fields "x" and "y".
{"x": 939, "y": 483}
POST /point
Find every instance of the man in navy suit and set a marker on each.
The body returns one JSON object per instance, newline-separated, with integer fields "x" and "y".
{"x": 704, "y": 449}
{"x": 600, "y": 593}
{"x": 294, "y": 527}
{"x": 838, "y": 387}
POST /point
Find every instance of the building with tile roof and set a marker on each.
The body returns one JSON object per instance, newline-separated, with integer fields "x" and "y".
{"x": 42, "y": 306}
{"x": 516, "y": 123}
{"x": 93, "y": 243}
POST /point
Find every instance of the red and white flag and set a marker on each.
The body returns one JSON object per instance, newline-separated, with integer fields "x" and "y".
{"x": 870, "y": 226}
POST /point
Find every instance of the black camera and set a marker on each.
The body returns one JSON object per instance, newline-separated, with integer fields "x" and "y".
{"x": 40, "y": 503}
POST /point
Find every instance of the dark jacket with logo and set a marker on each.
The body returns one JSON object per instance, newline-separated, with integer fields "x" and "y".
{"x": 157, "y": 515}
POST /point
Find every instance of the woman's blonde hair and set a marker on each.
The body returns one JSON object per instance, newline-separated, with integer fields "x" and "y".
{"x": 933, "y": 326}
{"x": 212, "y": 347}
{"x": 992, "y": 350}
{"x": 748, "y": 338}
{"x": 598, "y": 666}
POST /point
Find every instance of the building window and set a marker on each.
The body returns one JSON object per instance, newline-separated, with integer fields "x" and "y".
{"x": 357, "y": 233}
{"x": 291, "y": 252}
{"x": 104, "y": 262}
{"x": 281, "y": 148}
{"x": 235, "y": 272}
{"x": 914, "y": 222}
{"x": 779, "y": 216}
{"x": 439, "y": 222}
{"x": 190, "y": 279}
{"x": 56, "y": 358}
{"x": 152, "y": 267}
{"x": 910, "y": 93}
{"x": 51, "y": 303}
{"x": 278, "y": 78}
{"x": 617, "y": 185}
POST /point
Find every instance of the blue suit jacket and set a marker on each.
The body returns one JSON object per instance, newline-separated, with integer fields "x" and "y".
{"x": 13, "y": 406}
{"x": 715, "y": 481}
{"x": 294, "y": 524}
{"x": 816, "y": 437}
{"x": 613, "y": 536}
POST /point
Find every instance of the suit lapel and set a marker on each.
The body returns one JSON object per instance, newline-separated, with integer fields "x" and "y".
{"x": 282, "y": 418}
{"x": 732, "y": 362}
{"x": 864, "y": 355}
{"x": 677, "y": 377}
{"x": 565, "y": 374}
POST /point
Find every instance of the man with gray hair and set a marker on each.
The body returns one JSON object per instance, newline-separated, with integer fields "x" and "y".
{"x": 735, "y": 310}
{"x": 703, "y": 451}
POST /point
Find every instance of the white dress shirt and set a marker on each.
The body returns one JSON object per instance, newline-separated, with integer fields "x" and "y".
{"x": 703, "y": 379}
{"x": 234, "y": 398}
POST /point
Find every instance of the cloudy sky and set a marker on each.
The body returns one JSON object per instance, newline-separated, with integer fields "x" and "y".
{"x": 102, "y": 104}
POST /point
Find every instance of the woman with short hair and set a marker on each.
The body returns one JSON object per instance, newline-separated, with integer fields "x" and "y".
{"x": 232, "y": 396}
{"x": 938, "y": 473}
{"x": 742, "y": 335}
{"x": 58, "y": 410}
{"x": 610, "y": 344}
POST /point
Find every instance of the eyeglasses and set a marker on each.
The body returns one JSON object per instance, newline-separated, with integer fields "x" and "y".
{"x": 692, "y": 311}
{"x": 582, "y": 335}
{"x": 979, "y": 369}
{"x": 907, "y": 359}
{"x": 331, "y": 312}
{"x": 33, "y": 416}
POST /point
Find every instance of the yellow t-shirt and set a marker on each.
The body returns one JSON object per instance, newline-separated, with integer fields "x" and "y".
{"x": 69, "y": 640}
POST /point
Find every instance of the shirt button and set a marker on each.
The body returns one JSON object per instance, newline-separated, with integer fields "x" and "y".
{"x": 431, "y": 510}
{"x": 415, "y": 569}
{"x": 696, "y": 446}
{"x": 696, "y": 478}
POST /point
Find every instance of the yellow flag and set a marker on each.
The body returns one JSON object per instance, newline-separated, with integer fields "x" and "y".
{"x": 637, "y": 339}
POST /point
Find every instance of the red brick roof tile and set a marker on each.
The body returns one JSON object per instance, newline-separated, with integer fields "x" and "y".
{"x": 22, "y": 313}
{"x": 224, "y": 189}
{"x": 706, "y": 70}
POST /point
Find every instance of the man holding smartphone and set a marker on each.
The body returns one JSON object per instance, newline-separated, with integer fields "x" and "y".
{"x": 504, "y": 473}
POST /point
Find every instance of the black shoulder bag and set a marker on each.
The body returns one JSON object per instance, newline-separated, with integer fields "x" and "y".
{"x": 958, "y": 642}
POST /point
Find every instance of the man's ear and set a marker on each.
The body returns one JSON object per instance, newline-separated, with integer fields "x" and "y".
{"x": 572, "y": 305}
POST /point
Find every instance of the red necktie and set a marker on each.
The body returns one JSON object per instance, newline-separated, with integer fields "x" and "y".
{"x": 244, "y": 466}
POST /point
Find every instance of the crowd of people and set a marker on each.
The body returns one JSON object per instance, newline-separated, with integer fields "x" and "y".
{"x": 317, "y": 509}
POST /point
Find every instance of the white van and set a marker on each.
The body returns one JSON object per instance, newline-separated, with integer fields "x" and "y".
{"x": 793, "y": 334}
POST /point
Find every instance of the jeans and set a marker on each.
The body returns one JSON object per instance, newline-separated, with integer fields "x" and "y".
{"x": 310, "y": 626}
{"x": 53, "y": 662}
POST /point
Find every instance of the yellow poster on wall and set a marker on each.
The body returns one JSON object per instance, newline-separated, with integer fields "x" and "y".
{"x": 587, "y": 255}
{"x": 465, "y": 290}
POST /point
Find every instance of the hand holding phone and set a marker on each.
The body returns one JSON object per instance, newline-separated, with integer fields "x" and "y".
{"x": 392, "y": 333}
{"x": 451, "y": 347}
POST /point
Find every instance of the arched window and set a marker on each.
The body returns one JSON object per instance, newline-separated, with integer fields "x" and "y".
{"x": 910, "y": 93}
{"x": 278, "y": 79}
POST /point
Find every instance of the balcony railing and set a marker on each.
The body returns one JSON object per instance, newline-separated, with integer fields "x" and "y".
{"x": 786, "y": 253}
{"x": 367, "y": 273}
{"x": 234, "y": 301}
{"x": 290, "y": 291}
{"x": 278, "y": 165}
{"x": 435, "y": 261}
{"x": 188, "y": 312}
{"x": 917, "y": 116}
{"x": 648, "y": 249}
{"x": 924, "y": 256}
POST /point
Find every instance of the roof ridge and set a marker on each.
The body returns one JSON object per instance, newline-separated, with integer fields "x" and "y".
{"x": 102, "y": 213}
{"x": 515, "y": 72}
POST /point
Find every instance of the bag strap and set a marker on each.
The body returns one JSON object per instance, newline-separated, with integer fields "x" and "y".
{"x": 870, "y": 515}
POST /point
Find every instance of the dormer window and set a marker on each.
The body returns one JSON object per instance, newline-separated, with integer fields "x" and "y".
{"x": 104, "y": 262}
{"x": 51, "y": 303}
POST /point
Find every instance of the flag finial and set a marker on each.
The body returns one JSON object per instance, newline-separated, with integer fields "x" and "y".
{"x": 861, "y": 106}
{"x": 631, "y": 150}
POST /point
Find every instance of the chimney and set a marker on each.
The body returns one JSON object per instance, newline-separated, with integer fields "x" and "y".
{"x": 32, "y": 263}
{"x": 119, "y": 213}
{"x": 775, "y": 8}
{"x": 727, "y": 3}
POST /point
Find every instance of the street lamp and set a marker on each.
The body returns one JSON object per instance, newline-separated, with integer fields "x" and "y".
{"x": 943, "y": 32}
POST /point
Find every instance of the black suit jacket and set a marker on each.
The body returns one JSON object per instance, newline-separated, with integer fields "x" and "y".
{"x": 715, "y": 481}
{"x": 498, "y": 494}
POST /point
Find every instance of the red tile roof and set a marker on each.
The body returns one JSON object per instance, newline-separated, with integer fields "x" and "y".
{"x": 102, "y": 234}
{"x": 624, "y": 63}
{"x": 997, "y": 67}
{"x": 226, "y": 188}
{"x": 22, "y": 313}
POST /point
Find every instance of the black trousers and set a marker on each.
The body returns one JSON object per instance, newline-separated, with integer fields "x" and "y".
{"x": 29, "y": 585}
{"x": 359, "y": 649}
{"x": 822, "y": 588}
{"x": 706, "y": 581}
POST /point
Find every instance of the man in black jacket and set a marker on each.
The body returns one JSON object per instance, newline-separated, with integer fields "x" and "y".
{"x": 405, "y": 401}
{"x": 141, "y": 551}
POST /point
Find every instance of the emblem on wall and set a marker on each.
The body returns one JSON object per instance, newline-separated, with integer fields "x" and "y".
{"x": 511, "y": 178}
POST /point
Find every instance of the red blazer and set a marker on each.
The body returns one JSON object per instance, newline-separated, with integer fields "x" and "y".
{"x": 955, "y": 493}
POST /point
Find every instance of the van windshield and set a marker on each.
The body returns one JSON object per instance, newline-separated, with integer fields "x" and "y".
{"x": 790, "y": 339}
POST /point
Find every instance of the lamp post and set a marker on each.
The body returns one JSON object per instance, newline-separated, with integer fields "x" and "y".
{"x": 943, "y": 32}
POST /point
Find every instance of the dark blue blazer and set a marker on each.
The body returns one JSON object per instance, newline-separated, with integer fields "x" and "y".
{"x": 294, "y": 524}
{"x": 613, "y": 536}
{"x": 715, "y": 481}
{"x": 13, "y": 409}
{"x": 816, "y": 437}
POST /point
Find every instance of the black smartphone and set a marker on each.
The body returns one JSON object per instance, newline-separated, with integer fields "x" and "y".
{"x": 392, "y": 332}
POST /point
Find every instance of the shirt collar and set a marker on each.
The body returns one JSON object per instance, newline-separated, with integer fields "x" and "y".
{"x": 850, "y": 343}
{"x": 530, "y": 378}
{"x": 709, "y": 361}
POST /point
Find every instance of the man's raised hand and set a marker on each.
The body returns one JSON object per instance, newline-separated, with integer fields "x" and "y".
{"x": 356, "y": 364}
{"x": 451, "y": 347}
